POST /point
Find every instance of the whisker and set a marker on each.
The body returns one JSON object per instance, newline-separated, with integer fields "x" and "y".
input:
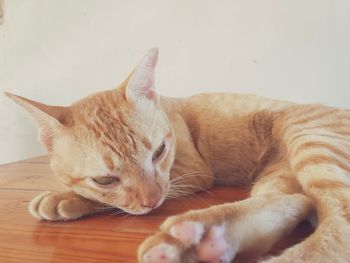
{"x": 105, "y": 208}
{"x": 116, "y": 213}
{"x": 197, "y": 173}
{"x": 180, "y": 185}
{"x": 186, "y": 178}
{"x": 200, "y": 198}
{"x": 176, "y": 197}
{"x": 179, "y": 194}
{"x": 195, "y": 187}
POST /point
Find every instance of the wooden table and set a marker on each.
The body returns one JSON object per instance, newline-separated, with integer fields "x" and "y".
{"x": 100, "y": 238}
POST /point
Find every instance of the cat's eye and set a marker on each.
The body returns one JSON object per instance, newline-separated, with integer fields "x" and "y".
{"x": 159, "y": 152}
{"x": 106, "y": 180}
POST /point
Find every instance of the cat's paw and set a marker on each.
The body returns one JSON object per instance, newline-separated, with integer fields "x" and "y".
{"x": 187, "y": 240}
{"x": 60, "y": 206}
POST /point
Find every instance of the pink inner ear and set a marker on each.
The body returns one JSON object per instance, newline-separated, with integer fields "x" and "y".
{"x": 142, "y": 81}
{"x": 151, "y": 95}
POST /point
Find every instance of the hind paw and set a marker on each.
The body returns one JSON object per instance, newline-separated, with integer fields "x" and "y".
{"x": 187, "y": 241}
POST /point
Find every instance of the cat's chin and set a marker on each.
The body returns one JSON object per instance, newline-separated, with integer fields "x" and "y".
{"x": 140, "y": 212}
{"x": 143, "y": 211}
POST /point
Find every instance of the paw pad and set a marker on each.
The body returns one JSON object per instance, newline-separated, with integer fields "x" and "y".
{"x": 213, "y": 246}
{"x": 162, "y": 253}
{"x": 209, "y": 245}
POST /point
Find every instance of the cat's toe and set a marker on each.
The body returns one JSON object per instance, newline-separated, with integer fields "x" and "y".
{"x": 35, "y": 204}
{"x": 213, "y": 247}
{"x": 48, "y": 206}
{"x": 188, "y": 232}
{"x": 209, "y": 246}
{"x": 162, "y": 253}
{"x": 187, "y": 241}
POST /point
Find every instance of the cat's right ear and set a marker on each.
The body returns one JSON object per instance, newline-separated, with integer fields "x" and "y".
{"x": 47, "y": 118}
{"x": 140, "y": 86}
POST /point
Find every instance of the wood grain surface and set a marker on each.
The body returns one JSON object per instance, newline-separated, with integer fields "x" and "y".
{"x": 101, "y": 238}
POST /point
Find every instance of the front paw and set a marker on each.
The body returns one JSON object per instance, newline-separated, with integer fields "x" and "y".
{"x": 192, "y": 237}
{"x": 60, "y": 206}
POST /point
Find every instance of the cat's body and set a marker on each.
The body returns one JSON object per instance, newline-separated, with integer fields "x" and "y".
{"x": 210, "y": 119}
{"x": 131, "y": 149}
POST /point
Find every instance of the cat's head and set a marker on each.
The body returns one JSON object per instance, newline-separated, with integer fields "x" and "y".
{"x": 116, "y": 147}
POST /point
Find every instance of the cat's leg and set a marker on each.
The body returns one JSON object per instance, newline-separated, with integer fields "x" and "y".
{"x": 246, "y": 228}
{"x": 328, "y": 186}
{"x": 62, "y": 206}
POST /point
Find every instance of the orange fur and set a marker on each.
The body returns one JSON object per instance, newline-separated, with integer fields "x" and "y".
{"x": 295, "y": 156}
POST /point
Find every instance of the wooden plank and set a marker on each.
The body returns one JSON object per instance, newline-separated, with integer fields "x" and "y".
{"x": 39, "y": 159}
{"x": 28, "y": 176}
{"x": 99, "y": 238}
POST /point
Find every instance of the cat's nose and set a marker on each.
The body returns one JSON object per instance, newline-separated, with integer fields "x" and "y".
{"x": 152, "y": 199}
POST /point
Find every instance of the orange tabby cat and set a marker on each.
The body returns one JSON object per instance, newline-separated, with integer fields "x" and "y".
{"x": 131, "y": 148}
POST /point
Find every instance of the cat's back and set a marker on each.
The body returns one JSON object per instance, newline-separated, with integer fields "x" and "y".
{"x": 237, "y": 104}
{"x": 230, "y": 104}
{"x": 231, "y": 131}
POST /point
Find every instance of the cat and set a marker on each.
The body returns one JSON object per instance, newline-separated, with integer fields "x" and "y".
{"x": 132, "y": 148}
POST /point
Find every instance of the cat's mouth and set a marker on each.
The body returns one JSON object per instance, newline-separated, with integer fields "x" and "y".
{"x": 145, "y": 210}
{"x": 141, "y": 211}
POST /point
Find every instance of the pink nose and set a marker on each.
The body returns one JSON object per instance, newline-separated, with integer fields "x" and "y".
{"x": 152, "y": 199}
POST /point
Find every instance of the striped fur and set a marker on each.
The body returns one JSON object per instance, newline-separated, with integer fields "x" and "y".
{"x": 295, "y": 157}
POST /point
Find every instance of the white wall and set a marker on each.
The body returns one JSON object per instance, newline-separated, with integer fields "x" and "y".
{"x": 59, "y": 51}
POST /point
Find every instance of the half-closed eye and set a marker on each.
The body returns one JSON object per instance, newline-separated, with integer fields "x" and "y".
{"x": 106, "y": 180}
{"x": 158, "y": 153}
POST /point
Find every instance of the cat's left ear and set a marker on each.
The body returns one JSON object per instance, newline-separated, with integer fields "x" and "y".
{"x": 141, "y": 83}
{"x": 49, "y": 119}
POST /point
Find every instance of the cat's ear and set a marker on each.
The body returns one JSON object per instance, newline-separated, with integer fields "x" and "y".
{"x": 141, "y": 82}
{"x": 47, "y": 118}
